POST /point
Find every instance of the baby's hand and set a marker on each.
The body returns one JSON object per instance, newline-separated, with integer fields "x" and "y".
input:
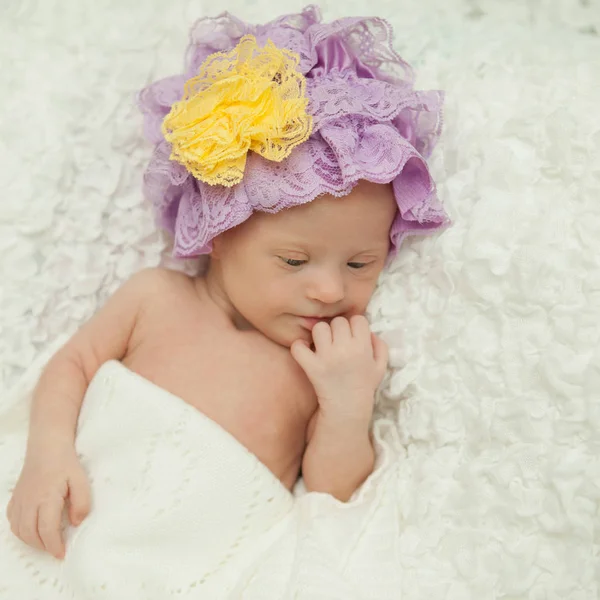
{"x": 346, "y": 366}
{"x": 35, "y": 510}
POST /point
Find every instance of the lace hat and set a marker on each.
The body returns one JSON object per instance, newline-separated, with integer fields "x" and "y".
{"x": 267, "y": 117}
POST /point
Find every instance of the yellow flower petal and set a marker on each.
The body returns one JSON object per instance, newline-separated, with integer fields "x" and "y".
{"x": 250, "y": 98}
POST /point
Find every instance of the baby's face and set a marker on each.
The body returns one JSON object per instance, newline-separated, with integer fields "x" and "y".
{"x": 283, "y": 272}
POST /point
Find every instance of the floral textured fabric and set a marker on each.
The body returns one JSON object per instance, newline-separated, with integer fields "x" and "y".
{"x": 493, "y": 327}
{"x": 368, "y": 123}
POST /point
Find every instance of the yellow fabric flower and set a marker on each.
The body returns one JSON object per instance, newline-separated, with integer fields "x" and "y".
{"x": 250, "y": 98}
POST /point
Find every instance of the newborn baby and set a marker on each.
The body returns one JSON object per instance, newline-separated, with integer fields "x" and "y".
{"x": 221, "y": 343}
{"x": 299, "y": 210}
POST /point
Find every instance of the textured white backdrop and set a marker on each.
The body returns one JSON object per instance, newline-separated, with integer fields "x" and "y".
{"x": 496, "y": 322}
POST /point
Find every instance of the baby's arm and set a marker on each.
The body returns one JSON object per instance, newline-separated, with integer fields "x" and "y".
{"x": 345, "y": 369}
{"x": 51, "y": 473}
{"x": 62, "y": 386}
{"x": 339, "y": 455}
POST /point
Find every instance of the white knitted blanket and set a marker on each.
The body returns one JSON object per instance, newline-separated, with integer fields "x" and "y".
{"x": 181, "y": 509}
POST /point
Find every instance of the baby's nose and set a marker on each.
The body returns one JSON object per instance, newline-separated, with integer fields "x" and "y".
{"x": 327, "y": 288}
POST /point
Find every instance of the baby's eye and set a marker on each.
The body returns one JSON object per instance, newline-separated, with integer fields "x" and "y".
{"x": 357, "y": 265}
{"x": 293, "y": 262}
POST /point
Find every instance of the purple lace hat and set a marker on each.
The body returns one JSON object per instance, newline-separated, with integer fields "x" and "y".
{"x": 367, "y": 123}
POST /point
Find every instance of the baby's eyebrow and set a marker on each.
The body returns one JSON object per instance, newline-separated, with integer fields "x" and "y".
{"x": 378, "y": 249}
{"x": 372, "y": 250}
{"x": 288, "y": 243}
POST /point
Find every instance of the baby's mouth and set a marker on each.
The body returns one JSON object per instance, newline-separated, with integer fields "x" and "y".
{"x": 310, "y": 322}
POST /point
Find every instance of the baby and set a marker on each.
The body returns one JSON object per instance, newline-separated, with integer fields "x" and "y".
{"x": 295, "y": 159}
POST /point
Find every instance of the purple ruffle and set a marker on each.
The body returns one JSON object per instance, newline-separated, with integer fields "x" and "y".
{"x": 368, "y": 123}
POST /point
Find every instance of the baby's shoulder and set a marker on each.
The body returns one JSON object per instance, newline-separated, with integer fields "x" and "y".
{"x": 152, "y": 277}
{"x": 155, "y": 283}
{"x": 155, "y": 294}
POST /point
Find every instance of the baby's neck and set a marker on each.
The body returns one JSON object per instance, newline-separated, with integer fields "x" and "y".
{"x": 210, "y": 286}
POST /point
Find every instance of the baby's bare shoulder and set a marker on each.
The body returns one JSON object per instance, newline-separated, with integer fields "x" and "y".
{"x": 110, "y": 332}
{"x": 156, "y": 285}
{"x": 158, "y": 278}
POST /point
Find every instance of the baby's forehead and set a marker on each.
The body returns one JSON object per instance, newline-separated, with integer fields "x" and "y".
{"x": 349, "y": 232}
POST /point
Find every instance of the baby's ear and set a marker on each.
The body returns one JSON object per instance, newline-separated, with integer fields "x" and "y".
{"x": 216, "y": 246}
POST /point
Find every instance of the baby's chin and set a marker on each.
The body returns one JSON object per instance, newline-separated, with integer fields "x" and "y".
{"x": 288, "y": 336}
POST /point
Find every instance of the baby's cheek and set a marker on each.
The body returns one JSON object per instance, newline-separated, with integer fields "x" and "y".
{"x": 355, "y": 309}
{"x": 276, "y": 293}
{"x": 357, "y": 303}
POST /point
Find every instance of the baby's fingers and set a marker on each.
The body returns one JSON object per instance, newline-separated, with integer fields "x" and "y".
{"x": 10, "y": 510}
{"x": 79, "y": 497}
{"x": 28, "y": 528}
{"x": 360, "y": 327}
{"x": 380, "y": 353}
{"x": 322, "y": 336}
{"x": 49, "y": 529}
{"x": 303, "y": 355}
